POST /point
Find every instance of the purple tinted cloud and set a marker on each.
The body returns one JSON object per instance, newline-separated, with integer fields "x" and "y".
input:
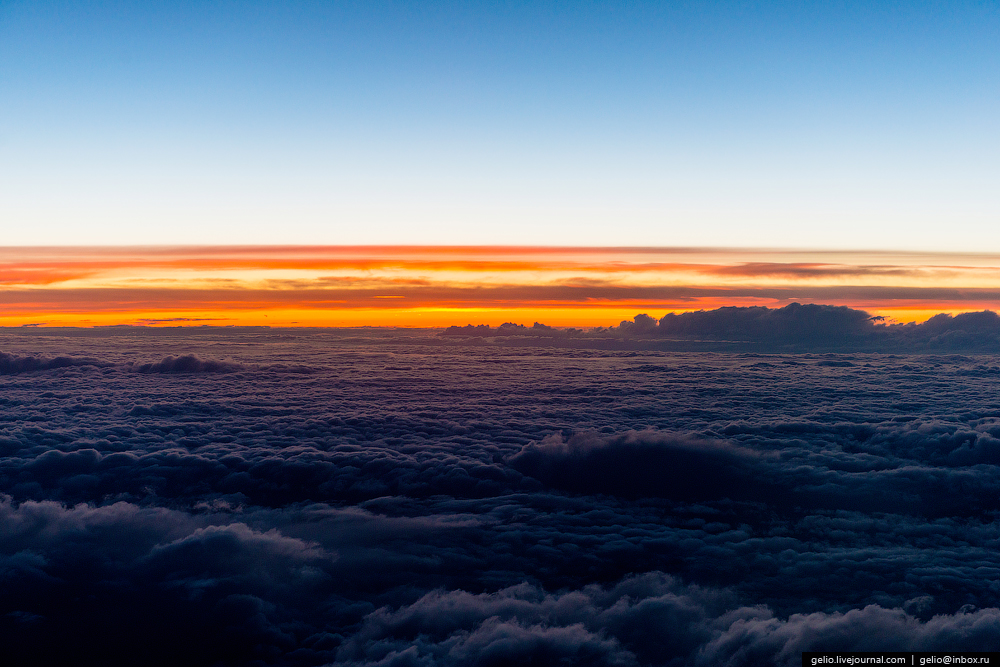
{"x": 407, "y": 498}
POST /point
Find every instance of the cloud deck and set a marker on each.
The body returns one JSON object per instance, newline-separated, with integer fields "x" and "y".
{"x": 383, "y": 498}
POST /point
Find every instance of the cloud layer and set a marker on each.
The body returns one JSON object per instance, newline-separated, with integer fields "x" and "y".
{"x": 389, "y": 498}
{"x": 793, "y": 328}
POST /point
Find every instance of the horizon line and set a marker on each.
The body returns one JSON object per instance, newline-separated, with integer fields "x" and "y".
{"x": 433, "y": 285}
{"x": 193, "y": 323}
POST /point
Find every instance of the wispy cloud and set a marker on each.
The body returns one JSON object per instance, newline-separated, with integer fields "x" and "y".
{"x": 161, "y": 285}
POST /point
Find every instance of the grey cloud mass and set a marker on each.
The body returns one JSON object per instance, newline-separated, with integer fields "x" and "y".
{"x": 795, "y": 328}
{"x": 380, "y": 497}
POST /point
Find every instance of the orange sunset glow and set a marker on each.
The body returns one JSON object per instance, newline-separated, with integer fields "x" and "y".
{"x": 440, "y": 286}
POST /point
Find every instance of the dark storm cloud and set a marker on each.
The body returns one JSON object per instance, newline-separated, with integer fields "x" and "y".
{"x": 410, "y": 502}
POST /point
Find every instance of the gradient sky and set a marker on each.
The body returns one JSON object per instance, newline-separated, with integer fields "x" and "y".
{"x": 752, "y": 124}
{"x": 440, "y": 286}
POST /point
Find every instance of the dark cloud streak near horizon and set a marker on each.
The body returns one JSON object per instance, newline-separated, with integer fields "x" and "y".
{"x": 401, "y": 498}
{"x": 577, "y": 292}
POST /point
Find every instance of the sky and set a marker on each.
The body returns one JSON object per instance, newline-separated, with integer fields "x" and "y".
{"x": 824, "y": 126}
{"x": 714, "y": 486}
{"x": 428, "y": 286}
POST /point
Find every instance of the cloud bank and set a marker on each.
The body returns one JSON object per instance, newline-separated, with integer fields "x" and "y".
{"x": 793, "y": 328}
{"x": 386, "y": 498}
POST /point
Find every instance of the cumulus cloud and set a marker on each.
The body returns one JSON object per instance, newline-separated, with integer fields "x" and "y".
{"x": 793, "y": 328}
{"x": 11, "y": 364}
{"x": 686, "y": 467}
{"x": 647, "y": 464}
{"x": 768, "y": 640}
{"x": 187, "y": 363}
{"x": 652, "y": 619}
{"x": 804, "y": 327}
{"x": 77, "y": 584}
{"x": 809, "y": 325}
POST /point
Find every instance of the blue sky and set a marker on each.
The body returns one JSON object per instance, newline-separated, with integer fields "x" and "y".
{"x": 817, "y": 125}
